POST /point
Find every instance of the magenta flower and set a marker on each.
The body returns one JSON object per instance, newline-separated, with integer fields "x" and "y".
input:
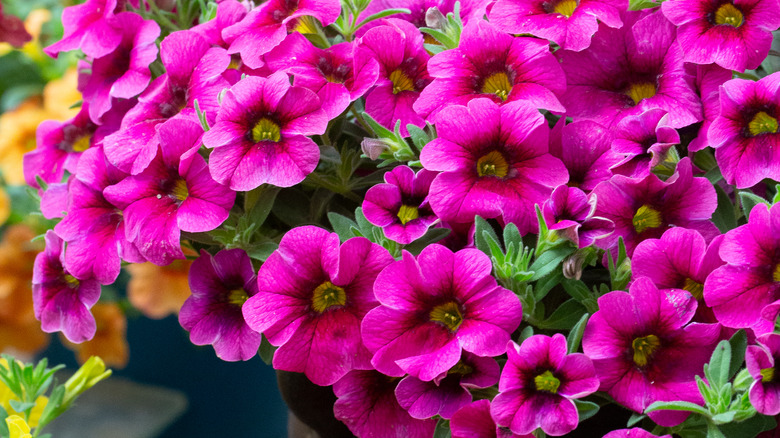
{"x": 448, "y": 392}
{"x": 339, "y": 75}
{"x": 220, "y": 286}
{"x": 709, "y": 78}
{"x": 633, "y": 433}
{"x": 398, "y": 47}
{"x": 193, "y": 72}
{"x": 123, "y": 73}
{"x": 644, "y": 140}
{"x": 60, "y": 301}
{"x": 174, "y": 193}
{"x": 760, "y": 360}
{"x": 494, "y": 162}
{"x": 229, "y": 12}
{"x": 492, "y": 64}
{"x": 474, "y": 421}
{"x": 312, "y": 295}
{"x": 680, "y": 259}
{"x": 644, "y": 350}
{"x": 367, "y": 405}
{"x": 435, "y": 306}
{"x": 538, "y": 384}
{"x": 91, "y": 27}
{"x": 585, "y": 147}
{"x": 745, "y": 134}
{"x": 644, "y": 208}
{"x": 469, "y": 10}
{"x": 568, "y": 23}
{"x": 735, "y": 34}
{"x": 569, "y": 213}
{"x": 260, "y": 134}
{"x": 400, "y": 205}
{"x": 629, "y": 70}
{"x": 264, "y": 27}
{"x": 752, "y": 273}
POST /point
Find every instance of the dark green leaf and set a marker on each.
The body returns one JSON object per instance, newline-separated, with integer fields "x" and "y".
{"x": 442, "y": 429}
{"x": 677, "y": 406}
{"x": 635, "y": 418}
{"x": 526, "y": 333}
{"x": 480, "y": 239}
{"x": 259, "y": 202}
{"x": 749, "y": 200}
{"x": 366, "y": 227}
{"x": 545, "y": 285}
{"x": 738, "y": 346}
{"x": 382, "y": 14}
{"x": 724, "y": 216}
{"x": 342, "y": 225}
{"x": 586, "y": 409}
{"x": 565, "y": 316}
{"x": 549, "y": 261}
{"x": 431, "y": 236}
{"x": 51, "y": 410}
{"x": 748, "y": 428}
{"x": 512, "y": 236}
{"x": 418, "y": 136}
{"x": 261, "y": 251}
{"x": 574, "y": 338}
{"x": 266, "y": 351}
{"x": 718, "y": 366}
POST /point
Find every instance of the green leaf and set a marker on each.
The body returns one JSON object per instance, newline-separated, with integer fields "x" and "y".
{"x": 565, "y": 316}
{"x": 481, "y": 226}
{"x": 378, "y": 129}
{"x": 717, "y": 370}
{"x": 512, "y": 236}
{"x": 526, "y": 333}
{"x": 51, "y": 410}
{"x": 549, "y": 261}
{"x": 635, "y": 418}
{"x": 382, "y": 14}
{"x": 677, "y": 406}
{"x": 545, "y": 285}
{"x": 261, "y": 251}
{"x": 442, "y": 429}
{"x": 342, "y": 225}
{"x": 201, "y": 117}
{"x": 748, "y": 428}
{"x": 578, "y": 290}
{"x": 259, "y": 202}
{"x": 636, "y": 5}
{"x": 738, "y": 346}
{"x": 724, "y": 216}
{"x": 266, "y": 350}
{"x": 418, "y": 136}
{"x": 750, "y": 200}
{"x": 20, "y": 406}
{"x": 586, "y": 409}
{"x": 3, "y": 424}
{"x": 431, "y": 236}
{"x": 574, "y": 338}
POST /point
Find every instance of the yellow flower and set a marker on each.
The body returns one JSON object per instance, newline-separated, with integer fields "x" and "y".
{"x": 158, "y": 291}
{"x": 6, "y": 395}
{"x": 59, "y": 95}
{"x": 93, "y": 371}
{"x": 17, "y": 427}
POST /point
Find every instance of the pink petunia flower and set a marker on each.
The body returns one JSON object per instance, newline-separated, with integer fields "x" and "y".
{"x": 645, "y": 350}
{"x": 493, "y": 162}
{"x": 760, "y": 360}
{"x": 174, "y": 193}
{"x": 568, "y": 23}
{"x": 220, "y": 286}
{"x": 312, "y": 295}
{"x": 60, "y": 301}
{"x": 435, "y": 306}
{"x": 745, "y": 134}
{"x": 260, "y": 134}
{"x": 644, "y": 140}
{"x": 229, "y": 12}
{"x": 709, "y": 78}
{"x": 491, "y": 64}
{"x": 634, "y": 432}
{"x": 469, "y": 10}
{"x": 629, "y": 70}
{"x": 91, "y": 27}
{"x": 400, "y": 205}
{"x": 538, "y": 384}
{"x": 474, "y": 421}
{"x": 585, "y": 147}
{"x": 735, "y": 34}
{"x": 569, "y": 213}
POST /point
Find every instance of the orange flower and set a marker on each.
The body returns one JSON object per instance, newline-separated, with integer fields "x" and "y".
{"x": 110, "y": 341}
{"x": 59, "y": 95}
{"x": 158, "y": 291}
{"x": 18, "y": 127}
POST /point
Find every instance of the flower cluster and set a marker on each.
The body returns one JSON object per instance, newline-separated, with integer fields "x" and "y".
{"x": 578, "y": 167}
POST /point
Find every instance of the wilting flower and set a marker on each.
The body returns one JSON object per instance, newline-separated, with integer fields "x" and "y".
{"x": 645, "y": 208}
{"x": 474, "y": 421}
{"x": 629, "y": 70}
{"x": 398, "y": 46}
{"x": 494, "y": 162}
{"x": 568, "y": 23}
{"x": 735, "y": 34}
{"x": 435, "y": 306}
{"x": 644, "y": 140}
{"x": 62, "y": 302}
{"x": 491, "y": 64}
{"x": 645, "y": 351}
{"x": 260, "y": 133}
{"x": 751, "y": 275}
{"x": 585, "y": 147}
{"x": 220, "y": 286}
{"x": 538, "y": 384}
{"x": 367, "y": 405}
{"x": 569, "y": 213}
{"x": 745, "y": 134}
{"x": 400, "y": 205}
{"x": 760, "y": 360}
{"x": 312, "y": 295}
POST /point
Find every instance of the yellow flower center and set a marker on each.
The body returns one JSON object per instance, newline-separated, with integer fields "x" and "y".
{"x": 762, "y": 123}
{"x": 179, "y": 190}
{"x": 306, "y": 24}
{"x": 642, "y": 90}
{"x": 729, "y": 15}
{"x": 237, "y": 297}
{"x": 71, "y": 281}
{"x": 407, "y": 213}
{"x": 461, "y": 369}
{"x": 646, "y": 217}
{"x": 81, "y": 144}
{"x": 492, "y": 164}
{"x": 767, "y": 375}
{"x": 776, "y": 273}
{"x": 566, "y": 7}
{"x": 694, "y": 287}
{"x": 547, "y": 382}
{"x": 264, "y": 130}
{"x": 327, "y": 295}
{"x": 644, "y": 348}
{"x": 401, "y": 82}
{"x": 447, "y": 314}
{"x": 235, "y": 62}
{"x": 498, "y": 84}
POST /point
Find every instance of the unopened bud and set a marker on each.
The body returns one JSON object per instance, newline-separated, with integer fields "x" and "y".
{"x": 374, "y": 147}
{"x": 93, "y": 371}
{"x": 434, "y": 18}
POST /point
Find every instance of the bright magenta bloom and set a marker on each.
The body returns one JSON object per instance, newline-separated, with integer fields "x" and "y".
{"x": 585, "y": 147}
{"x": 735, "y": 34}
{"x": 537, "y": 385}
{"x": 644, "y": 350}
{"x": 745, "y": 134}
{"x": 494, "y": 162}
{"x": 644, "y": 140}
{"x": 260, "y": 133}
{"x": 761, "y": 361}
{"x": 474, "y": 421}
{"x": 312, "y": 295}
{"x": 633, "y": 433}
{"x": 91, "y": 27}
{"x": 569, "y": 212}
{"x": 435, "y": 306}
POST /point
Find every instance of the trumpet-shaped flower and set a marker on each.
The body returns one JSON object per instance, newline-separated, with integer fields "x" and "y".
{"x": 91, "y": 27}
{"x": 585, "y": 148}
{"x": 644, "y": 140}
{"x": 761, "y": 362}
{"x": 474, "y": 421}
{"x": 312, "y": 295}
{"x": 569, "y": 212}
